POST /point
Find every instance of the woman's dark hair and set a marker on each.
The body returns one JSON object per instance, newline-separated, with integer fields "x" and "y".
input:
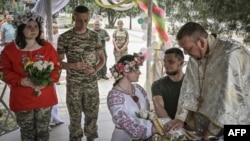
{"x": 20, "y": 38}
{"x": 122, "y": 60}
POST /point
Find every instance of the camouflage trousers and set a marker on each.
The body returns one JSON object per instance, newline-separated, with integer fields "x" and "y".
{"x": 119, "y": 54}
{"x": 34, "y": 124}
{"x": 101, "y": 73}
{"x": 82, "y": 97}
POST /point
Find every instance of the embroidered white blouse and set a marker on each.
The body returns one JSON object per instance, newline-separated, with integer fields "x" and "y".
{"x": 123, "y": 111}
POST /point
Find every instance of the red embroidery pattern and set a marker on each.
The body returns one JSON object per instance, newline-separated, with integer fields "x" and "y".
{"x": 141, "y": 89}
{"x": 115, "y": 99}
{"x": 135, "y": 98}
{"x": 129, "y": 125}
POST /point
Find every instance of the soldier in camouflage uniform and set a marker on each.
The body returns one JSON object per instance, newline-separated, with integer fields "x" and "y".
{"x": 120, "y": 41}
{"x": 80, "y": 45}
{"x": 103, "y": 36}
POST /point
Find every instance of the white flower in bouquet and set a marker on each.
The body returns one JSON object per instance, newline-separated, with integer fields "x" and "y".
{"x": 143, "y": 113}
{"x": 152, "y": 115}
{"x": 51, "y": 65}
{"x": 38, "y": 65}
{"x": 39, "y": 72}
{"x": 43, "y": 65}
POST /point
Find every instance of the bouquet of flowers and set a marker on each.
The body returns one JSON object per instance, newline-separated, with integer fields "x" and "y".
{"x": 39, "y": 73}
{"x": 152, "y": 117}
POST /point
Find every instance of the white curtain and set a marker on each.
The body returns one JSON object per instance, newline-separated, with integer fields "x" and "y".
{"x": 40, "y": 6}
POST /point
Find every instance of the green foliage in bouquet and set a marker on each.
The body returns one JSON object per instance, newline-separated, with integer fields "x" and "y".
{"x": 39, "y": 72}
{"x": 40, "y": 78}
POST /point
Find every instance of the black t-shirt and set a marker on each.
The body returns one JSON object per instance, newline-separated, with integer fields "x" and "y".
{"x": 170, "y": 92}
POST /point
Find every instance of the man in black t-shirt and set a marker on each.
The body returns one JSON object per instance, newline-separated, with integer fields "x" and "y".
{"x": 166, "y": 90}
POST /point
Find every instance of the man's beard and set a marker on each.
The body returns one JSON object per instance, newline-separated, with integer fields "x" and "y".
{"x": 172, "y": 73}
{"x": 198, "y": 58}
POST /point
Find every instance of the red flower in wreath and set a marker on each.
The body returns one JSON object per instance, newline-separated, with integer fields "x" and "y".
{"x": 120, "y": 67}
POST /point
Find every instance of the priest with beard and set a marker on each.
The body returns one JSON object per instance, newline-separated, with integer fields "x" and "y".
{"x": 215, "y": 90}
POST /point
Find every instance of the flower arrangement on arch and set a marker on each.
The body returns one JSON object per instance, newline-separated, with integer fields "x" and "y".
{"x": 118, "y": 69}
{"x": 39, "y": 72}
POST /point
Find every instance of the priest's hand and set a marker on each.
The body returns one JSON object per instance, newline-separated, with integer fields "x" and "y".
{"x": 173, "y": 125}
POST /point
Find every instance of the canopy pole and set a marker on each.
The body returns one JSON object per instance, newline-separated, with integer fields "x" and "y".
{"x": 49, "y": 21}
{"x": 149, "y": 33}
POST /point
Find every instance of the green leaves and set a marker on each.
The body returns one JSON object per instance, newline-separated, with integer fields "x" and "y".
{"x": 217, "y": 16}
{"x": 41, "y": 79}
{"x": 40, "y": 72}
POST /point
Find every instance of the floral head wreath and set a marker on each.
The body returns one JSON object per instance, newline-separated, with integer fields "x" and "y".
{"x": 25, "y": 18}
{"x": 118, "y": 69}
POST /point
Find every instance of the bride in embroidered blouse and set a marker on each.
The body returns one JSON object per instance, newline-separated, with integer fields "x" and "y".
{"x": 126, "y": 99}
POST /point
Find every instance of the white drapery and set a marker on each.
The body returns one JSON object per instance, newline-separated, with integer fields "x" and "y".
{"x": 56, "y": 5}
{"x": 46, "y": 8}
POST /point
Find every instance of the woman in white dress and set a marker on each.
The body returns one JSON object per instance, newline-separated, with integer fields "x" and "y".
{"x": 126, "y": 99}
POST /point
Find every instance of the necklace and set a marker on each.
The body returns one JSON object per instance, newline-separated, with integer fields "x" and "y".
{"x": 201, "y": 81}
{"x": 134, "y": 97}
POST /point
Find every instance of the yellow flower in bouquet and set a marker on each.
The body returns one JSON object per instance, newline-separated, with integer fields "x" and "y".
{"x": 39, "y": 72}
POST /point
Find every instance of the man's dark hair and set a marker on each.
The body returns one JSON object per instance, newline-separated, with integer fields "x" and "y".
{"x": 178, "y": 52}
{"x": 81, "y": 9}
{"x": 192, "y": 29}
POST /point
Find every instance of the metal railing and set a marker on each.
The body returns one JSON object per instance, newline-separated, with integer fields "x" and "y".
{"x": 7, "y": 118}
